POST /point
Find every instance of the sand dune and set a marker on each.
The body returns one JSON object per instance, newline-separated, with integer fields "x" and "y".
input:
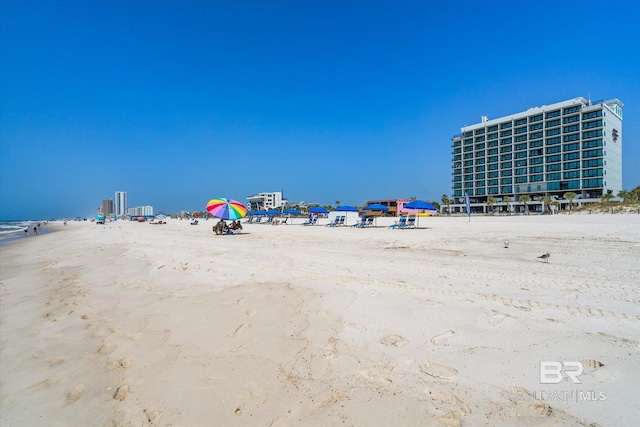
{"x": 138, "y": 324}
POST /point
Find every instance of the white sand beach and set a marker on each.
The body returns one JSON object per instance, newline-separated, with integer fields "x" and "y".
{"x": 132, "y": 324}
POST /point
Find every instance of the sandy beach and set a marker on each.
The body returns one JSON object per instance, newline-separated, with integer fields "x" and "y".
{"x": 133, "y": 324}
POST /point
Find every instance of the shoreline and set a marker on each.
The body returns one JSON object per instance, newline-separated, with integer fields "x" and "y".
{"x": 287, "y": 325}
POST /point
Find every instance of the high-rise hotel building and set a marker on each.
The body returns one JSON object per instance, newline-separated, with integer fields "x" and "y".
{"x": 573, "y": 145}
{"x": 120, "y": 205}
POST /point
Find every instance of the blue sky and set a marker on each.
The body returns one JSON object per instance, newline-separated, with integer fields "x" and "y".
{"x": 178, "y": 102}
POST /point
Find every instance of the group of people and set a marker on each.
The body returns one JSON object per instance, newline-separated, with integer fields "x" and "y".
{"x": 35, "y": 230}
{"x": 223, "y": 228}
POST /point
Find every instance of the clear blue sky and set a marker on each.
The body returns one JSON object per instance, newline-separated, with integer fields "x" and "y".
{"x": 178, "y": 102}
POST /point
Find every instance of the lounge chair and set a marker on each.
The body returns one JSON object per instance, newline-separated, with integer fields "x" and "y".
{"x": 370, "y": 221}
{"x": 334, "y": 223}
{"x": 258, "y": 220}
{"x": 195, "y": 222}
{"x": 401, "y": 223}
{"x": 411, "y": 222}
{"x": 311, "y": 221}
{"x": 361, "y": 224}
{"x": 250, "y": 220}
{"x": 284, "y": 221}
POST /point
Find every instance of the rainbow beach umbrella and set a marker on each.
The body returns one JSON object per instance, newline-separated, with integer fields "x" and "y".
{"x": 226, "y": 209}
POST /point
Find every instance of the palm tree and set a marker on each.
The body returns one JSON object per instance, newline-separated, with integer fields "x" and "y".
{"x": 570, "y": 195}
{"x": 507, "y": 200}
{"x": 447, "y": 202}
{"x": 625, "y": 195}
{"x": 606, "y": 198}
{"x": 490, "y": 202}
{"x": 546, "y": 202}
{"x": 524, "y": 199}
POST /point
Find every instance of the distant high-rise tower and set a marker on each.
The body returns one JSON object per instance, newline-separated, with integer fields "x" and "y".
{"x": 107, "y": 207}
{"x": 120, "y": 208}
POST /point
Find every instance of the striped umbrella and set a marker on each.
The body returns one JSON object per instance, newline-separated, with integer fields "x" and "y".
{"x": 226, "y": 209}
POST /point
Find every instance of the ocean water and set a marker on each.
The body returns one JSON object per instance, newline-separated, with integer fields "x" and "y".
{"x": 10, "y": 230}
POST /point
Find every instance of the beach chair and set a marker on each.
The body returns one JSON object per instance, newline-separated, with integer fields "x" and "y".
{"x": 369, "y": 221}
{"x": 334, "y": 223}
{"x": 361, "y": 224}
{"x": 401, "y": 223}
{"x": 250, "y": 220}
{"x": 342, "y": 220}
{"x": 284, "y": 221}
{"x": 258, "y": 220}
{"x": 311, "y": 221}
{"x": 411, "y": 222}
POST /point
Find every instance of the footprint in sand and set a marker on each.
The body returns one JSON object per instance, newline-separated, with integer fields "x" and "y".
{"x": 497, "y": 317}
{"x": 74, "y": 394}
{"x": 121, "y": 364}
{"x": 122, "y": 392}
{"x": 442, "y": 336}
{"x": 438, "y": 371}
{"x": 58, "y": 361}
{"x": 106, "y": 348}
{"x": 153, "y": 415}
{"x": 450, "y": 398}
{"x": 393, "y": 340}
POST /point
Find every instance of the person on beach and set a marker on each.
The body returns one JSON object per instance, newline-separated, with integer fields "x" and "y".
{"x": 35, "y": 230}
{"x": 26, "y": 232}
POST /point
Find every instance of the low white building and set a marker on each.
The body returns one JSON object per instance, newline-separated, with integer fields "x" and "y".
{"x": 146, "y": 210}
{"x": 265, "y": 201}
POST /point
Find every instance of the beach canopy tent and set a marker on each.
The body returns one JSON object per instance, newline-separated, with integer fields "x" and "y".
{"x": 346, "y": 209}
{"x": 351, "y": 217}
{"x": 318, "y": 210}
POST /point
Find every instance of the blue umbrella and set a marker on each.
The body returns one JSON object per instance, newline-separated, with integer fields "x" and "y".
{"x": 376, "y": 207}
{"x": 318, "y": 210}
{"x": 273, "y": 212}
{"x": 292, "y": 212}
{"x": 260, "y": 213}
{"x": 420, "y": 205}
{"x": 346, "y": 209}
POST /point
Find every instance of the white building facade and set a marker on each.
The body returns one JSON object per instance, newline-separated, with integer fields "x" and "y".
{"x": 120, "y": 203}
{"x": 146, "y": 210}
{"x": 573, "y": 145}
{"x": 265, "y": 201}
